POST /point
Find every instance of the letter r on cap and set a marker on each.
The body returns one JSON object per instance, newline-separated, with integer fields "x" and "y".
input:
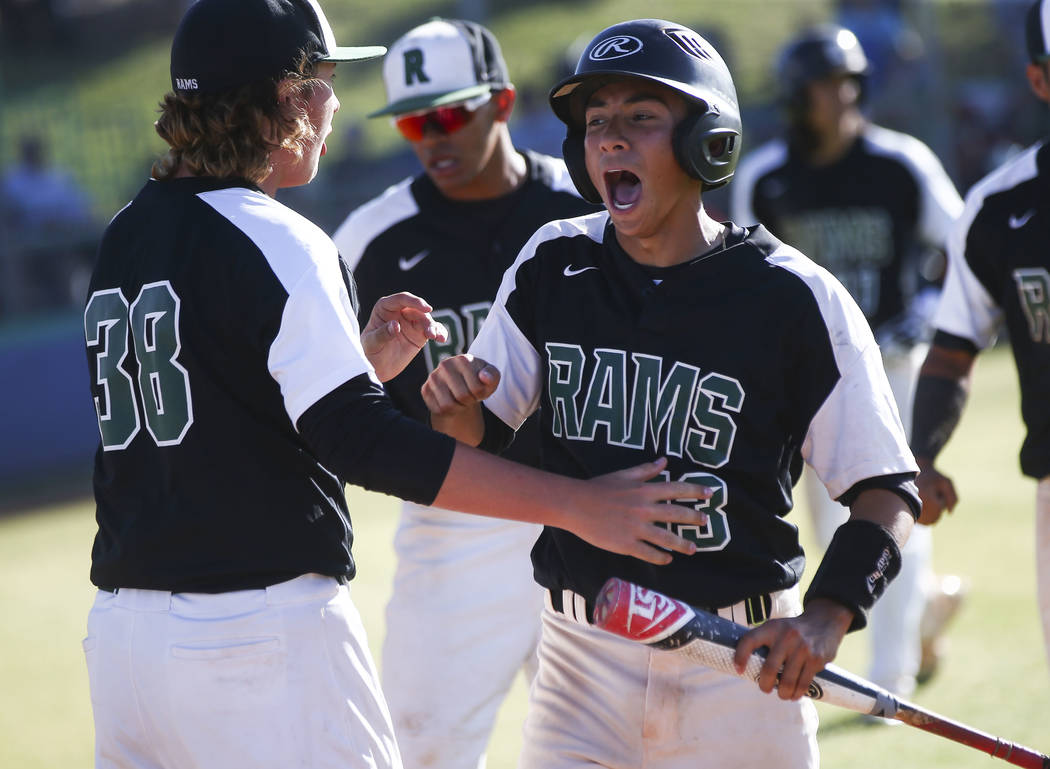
{"x": 414, "y": 66}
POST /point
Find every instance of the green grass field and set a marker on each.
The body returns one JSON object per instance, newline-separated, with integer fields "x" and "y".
{"x": 994, "y": 679}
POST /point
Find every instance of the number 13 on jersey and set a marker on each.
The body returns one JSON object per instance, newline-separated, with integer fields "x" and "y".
{"x": 714, "y": 534}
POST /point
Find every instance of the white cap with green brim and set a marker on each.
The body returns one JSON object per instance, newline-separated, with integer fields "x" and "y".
{"x": 443, "y": 61}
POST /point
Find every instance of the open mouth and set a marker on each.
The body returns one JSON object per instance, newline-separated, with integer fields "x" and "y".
{"x": 442, "y": 164}
{"x": 624, "y": 189}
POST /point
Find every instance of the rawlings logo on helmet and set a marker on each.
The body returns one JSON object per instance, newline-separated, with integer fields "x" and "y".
{"x": 688, "y": 41}
{"x": 614, "y": 48}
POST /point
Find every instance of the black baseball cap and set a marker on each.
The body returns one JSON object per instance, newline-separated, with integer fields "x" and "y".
{"x": 223, "y": 44}
{"x": 441, "y": 62}
{"x": 1037, "y": 31}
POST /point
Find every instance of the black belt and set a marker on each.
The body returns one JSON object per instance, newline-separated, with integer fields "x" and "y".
{"x": 557, "y": 603}
{"x": 754, "y": 609}
{"x": 342, "y": 579}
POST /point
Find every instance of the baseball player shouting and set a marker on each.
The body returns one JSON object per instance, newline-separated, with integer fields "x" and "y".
{"x": 997, "y": 273}
{"x": 235, "y": 396}
{"x": 449, "y": 234}
{"x": 872, "y": 235}
{"x": 652, "y": 329}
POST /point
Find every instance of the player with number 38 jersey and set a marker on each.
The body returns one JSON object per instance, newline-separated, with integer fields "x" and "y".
{"x": 240, "y": 238}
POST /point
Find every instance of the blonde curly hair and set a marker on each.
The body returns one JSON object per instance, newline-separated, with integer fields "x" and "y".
{"x": 233, "y": 133}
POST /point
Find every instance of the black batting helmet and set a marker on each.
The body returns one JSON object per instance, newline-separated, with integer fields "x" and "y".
{"x": 706, "y": 143}
{"x": 816, "y": 54}
{"x": 1037, "y": 31}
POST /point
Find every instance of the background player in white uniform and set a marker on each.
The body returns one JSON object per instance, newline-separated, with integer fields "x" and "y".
{"x": 652, "y": 328}
{"x": 234, "y": 399}
{"x": 998, "y": 272}
{"x": 871, "y": 205}
{"x": 448, "y": 235}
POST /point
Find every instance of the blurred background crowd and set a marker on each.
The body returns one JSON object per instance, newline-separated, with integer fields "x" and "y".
{"x": 80, "y": 81}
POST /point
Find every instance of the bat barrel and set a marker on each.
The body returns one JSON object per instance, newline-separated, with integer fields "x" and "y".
{"x": 996, "y": 747}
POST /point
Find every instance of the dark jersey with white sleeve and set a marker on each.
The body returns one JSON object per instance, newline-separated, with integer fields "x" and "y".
{"x": 868, "y": 217}
{"x": 998, "y": 272}
{"x": 233, "y": 396}
{"x": 737, "y": 366}
{"x": 453, "y": 254}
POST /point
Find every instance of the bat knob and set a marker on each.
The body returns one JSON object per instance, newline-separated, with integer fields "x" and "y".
{"x": 608, "y": 601}
{"x": 637, "y": 613}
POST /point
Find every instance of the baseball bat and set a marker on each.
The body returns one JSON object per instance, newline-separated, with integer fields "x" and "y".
{"x": 655, "y": 619}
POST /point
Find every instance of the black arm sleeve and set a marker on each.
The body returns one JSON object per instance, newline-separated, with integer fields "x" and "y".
{"x": 356, "y": 433}
{"x": 901, "y": 484}
{"x": 939, "y": 402}
{"x": 938, "y": 408}
{"x": 498, "y": 434}
{"x": 953, "y": 342}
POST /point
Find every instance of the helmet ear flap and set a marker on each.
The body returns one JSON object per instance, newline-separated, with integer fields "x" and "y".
{"x": 573, "y": 153}
{"x": 706, "y": 149}
{"x": 683, "y": 141}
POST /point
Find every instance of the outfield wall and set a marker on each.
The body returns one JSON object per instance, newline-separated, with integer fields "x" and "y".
{"x": 48, "y": 427}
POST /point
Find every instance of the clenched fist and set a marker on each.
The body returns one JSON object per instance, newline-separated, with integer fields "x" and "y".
{"x": 453, "y": 392}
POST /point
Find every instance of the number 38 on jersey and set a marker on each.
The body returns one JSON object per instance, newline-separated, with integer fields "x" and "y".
{"x": 134, "y": 350}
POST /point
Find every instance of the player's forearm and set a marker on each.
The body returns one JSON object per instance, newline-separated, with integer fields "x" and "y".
{"x": 938, "y": 408}
{"x": 885, "y": 509}
{"x": 940, "y": 396}
{"x": 480, "y": 483}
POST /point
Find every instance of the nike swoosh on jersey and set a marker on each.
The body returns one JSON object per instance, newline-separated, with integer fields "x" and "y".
{"x": 568, "y": 272}
{"x": 408, "y": 264}
{"x": 1017, "y": 222}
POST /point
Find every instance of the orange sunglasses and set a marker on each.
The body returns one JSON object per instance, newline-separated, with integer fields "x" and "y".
{"x": 447, "y": 120}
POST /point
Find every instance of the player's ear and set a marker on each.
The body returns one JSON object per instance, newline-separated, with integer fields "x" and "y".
{"x": 504, "y": 102}
{"x": 286, "y": 93}
{"x": 1039, "y": 80}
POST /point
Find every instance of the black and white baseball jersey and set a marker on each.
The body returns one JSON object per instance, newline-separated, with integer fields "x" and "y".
{"x": 998, "y": 272}
{"x": 227, "y": 372}
{"x": 737, "y": 366}
{"x": 453, "y": 254}
{"x": 866, "y": 217}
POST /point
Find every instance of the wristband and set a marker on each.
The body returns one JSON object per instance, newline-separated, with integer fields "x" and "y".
{"x": 860, "y": 562}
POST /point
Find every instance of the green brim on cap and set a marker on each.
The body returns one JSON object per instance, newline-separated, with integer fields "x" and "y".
{"x": 357, "y": 53}
{"x": 429, "y": 101}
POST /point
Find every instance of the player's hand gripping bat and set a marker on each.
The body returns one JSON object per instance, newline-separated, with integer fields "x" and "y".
{"x": 658, "y": 620}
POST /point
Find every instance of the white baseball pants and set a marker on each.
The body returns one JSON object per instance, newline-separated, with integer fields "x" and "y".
{"x": 602, "y": 700}
{"x": 280, "y": 677}
{"x": 1042, "y": 556}
{"x": 463, "y": 619}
